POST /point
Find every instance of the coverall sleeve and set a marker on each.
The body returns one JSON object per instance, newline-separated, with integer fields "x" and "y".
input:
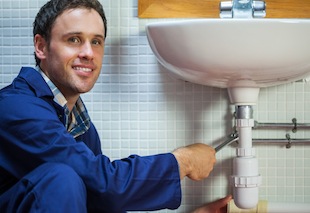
{"x": 31, "y": 134}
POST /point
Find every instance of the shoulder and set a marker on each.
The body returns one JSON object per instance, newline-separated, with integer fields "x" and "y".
{"x": 28, "y": 82}
{"x": 27, "y": 93}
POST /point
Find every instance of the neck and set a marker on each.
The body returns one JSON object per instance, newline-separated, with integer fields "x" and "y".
{"x": 71, "y": 101}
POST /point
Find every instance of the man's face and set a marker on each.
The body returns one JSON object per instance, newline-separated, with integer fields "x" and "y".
{"x": 74, "y": 56}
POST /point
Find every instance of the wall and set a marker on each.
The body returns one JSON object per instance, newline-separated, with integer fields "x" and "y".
{"x": 139, "y": 109}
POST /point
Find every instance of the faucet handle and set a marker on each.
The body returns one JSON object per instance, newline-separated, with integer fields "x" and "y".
{"x": 259, "y": 9}
{"x": 226, "y": 9}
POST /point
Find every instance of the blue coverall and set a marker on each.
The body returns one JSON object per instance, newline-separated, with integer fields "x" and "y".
{"x": 44, "y": 169}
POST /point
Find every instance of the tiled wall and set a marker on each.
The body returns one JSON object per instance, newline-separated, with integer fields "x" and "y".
{"x": 139, "y": 109}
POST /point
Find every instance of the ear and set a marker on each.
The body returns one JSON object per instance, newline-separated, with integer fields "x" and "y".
{"x": 40, "y": 46}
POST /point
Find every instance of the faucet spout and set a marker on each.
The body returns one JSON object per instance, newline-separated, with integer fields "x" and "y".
{"x": 243, "y": 9}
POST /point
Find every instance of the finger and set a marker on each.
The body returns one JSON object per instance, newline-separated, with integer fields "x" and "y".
{"x": 224, "y": 201}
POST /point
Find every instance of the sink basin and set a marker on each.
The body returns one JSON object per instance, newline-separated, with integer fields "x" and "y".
{"x": 233, "y": 53}
{"x": 242, "y": 55}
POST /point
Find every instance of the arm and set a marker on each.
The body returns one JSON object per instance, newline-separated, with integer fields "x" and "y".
{"x": 196, "y": 161}
{"x": 32, "y": 134}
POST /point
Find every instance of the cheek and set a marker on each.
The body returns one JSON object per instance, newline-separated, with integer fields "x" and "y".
{"x": 68, "y": 53}
{"x": 99, "y": 51}
{"x": 99, "y": 57}
{"x": 63, "y": 53}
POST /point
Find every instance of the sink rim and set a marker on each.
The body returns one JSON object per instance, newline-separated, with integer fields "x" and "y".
{"x": 184, "y": 74}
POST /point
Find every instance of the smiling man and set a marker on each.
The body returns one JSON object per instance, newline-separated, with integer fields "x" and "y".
{"x": 50, "y": 152}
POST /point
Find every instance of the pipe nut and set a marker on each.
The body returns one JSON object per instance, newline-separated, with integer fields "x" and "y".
{"x": 246, "y": 182}
{"x": 244, "y": 122}
{"x": 245, "y": 152}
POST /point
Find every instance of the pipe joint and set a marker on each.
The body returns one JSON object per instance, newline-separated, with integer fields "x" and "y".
{"x": 247, "y": 182}
{"x": 245, "y": 152}
{"x": 244, "y": 123}
{"x": 244, "y": 112}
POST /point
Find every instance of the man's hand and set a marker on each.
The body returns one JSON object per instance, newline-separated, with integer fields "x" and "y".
{"x": 196, "y": 161}
{"x": 218, "y": 206}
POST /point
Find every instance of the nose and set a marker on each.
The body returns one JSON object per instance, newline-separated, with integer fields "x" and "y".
{"x": 86, "y": 51}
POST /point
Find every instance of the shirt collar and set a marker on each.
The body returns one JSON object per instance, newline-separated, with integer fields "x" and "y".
{"x": 58, "y": 96}
{"x": 78, "y": 121}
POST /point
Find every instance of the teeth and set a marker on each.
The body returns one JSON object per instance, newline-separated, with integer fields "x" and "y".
{"x": 83, "y": 69}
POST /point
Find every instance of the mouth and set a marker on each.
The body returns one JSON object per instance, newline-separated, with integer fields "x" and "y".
{"x": 83, "y": 69}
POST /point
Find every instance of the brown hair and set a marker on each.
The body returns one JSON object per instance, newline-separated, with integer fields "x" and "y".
{"x": 48, "y": 13}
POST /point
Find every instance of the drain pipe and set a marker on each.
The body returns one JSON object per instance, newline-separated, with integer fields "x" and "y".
{"x": 245, "y": 178}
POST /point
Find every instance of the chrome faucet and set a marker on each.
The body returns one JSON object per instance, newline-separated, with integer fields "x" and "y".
{"x": 242, "y": 9}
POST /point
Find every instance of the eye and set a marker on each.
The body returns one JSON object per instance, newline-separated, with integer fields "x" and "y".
{"x": 74, "y": 40}
{"x": 97, "y": 42}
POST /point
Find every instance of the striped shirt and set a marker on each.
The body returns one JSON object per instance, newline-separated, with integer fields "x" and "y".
{"x": 77, "y": 122}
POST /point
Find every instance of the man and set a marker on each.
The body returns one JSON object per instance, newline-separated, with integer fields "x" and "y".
{"x": 50, "y": 156}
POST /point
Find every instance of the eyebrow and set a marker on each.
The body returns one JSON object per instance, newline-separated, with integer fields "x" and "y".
{"x": 80, "y": 33}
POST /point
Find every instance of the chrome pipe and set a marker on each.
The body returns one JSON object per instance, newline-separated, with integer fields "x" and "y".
{"x": 267, "y": 140}
{"x": 294, "y": 125}
{"x": 272, "y": 125}
{"x": 289, "y": 141}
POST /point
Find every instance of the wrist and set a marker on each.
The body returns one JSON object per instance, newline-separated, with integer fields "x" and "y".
{"x": 183, "y": 158}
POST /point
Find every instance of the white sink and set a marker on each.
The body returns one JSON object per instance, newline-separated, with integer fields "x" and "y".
{"x": 242, "y": 55}
{"x": 233, "y": 53}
